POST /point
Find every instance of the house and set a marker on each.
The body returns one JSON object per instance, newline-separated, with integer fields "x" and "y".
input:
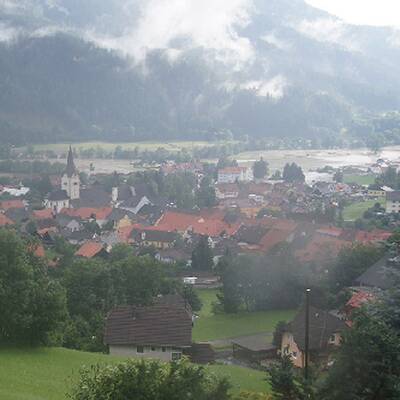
{"x": 392, "y": 202}
{"x": 357, "y": 300}
{"x": 7, "y": 204}
{"x": 380, "y": 274}
{"x": 254, "y": 349}
{"x": 235, "y": 174}
{"x": 160, "y": 331}
{"x": 5, "y": 221}
{"x": 325, "y": 333}
{"x": 18, "y": 215}
{"x": 57, "y": 200}
{"x": 151, "y": 237}
{"x": 47, "y": 213}
{"x": 91, "y": 249}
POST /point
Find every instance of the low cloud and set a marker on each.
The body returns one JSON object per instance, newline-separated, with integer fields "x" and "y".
{"x": 8, "y": 34}
{"x": 275, "y": 41}
{"x": 274, "y": 88}
{"x": 185, "y": 24}
{"x": 330, "y": 30}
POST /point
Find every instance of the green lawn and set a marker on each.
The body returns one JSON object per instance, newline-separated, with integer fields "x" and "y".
{"x": 356, "y": 210}
{"x": 222, "y": 326}
{"x": 148, "y": 145}
{"x": 49, "y": 373}
{"x": 359, "y": 179}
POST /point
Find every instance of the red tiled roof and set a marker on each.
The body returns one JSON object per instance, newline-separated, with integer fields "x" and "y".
{"x": 331, "y": 231}
{"x": 37, "y": 250}
{"x": 7, "y": 204}
{"x": 272, "y": 238}
{"x": 43, "y": 231}
{"x": 4, "y": 220}
{"x": 360, "y": 298}
{"x": 89, "y": 249}
{"x": 43, "y": 214}
{"x": 88, "y": 212}
{"x": 232, "y": 170}
{"x": 206, "y": 223}
{"x": 373, "y": 236}
{"x": 321, "y": 248}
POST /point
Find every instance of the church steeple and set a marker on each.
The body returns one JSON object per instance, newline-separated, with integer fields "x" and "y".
{"x": 71, "y": 169}
{"x": 70, "y": 181}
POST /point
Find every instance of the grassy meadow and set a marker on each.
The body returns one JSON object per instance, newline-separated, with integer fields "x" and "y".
{"x": 50, "y": 373}
{"x": 356, "y": 210}
{"x": 368, "y": 179}
{"x": 210, "y": 327}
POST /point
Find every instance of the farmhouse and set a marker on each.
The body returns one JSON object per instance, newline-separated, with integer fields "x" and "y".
{"x": 325, "y": 333}
{"x": 159, "y": 331}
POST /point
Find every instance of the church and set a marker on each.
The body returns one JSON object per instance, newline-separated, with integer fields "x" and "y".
{"x": 70, "y": 187}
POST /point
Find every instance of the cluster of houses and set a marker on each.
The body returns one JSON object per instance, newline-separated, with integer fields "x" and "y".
{"x": 95, "y": 220}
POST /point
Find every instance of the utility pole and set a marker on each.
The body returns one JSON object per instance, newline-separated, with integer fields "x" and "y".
{"x": 307, "y": 334}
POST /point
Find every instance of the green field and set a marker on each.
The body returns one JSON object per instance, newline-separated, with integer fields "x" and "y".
{"x": 359, "y": 179}
{"x": 356, "y": 210}
{"x": 222, "y": 326}
{"x": 49, "y": 373}
{"x": 142, "y": 146}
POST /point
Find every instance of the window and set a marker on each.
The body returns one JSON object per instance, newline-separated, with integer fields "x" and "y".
{"x": 153, "y": 348}
{"x": 176, "y": 356}
{"x": 294, "y": 354}
{"x": 332, "y": 339}
{"x": 140, "y": 349}
{"x": 163, "y": 349}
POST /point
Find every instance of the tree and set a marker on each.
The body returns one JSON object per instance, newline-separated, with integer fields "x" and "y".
{"x": 229, "y": 296}
{"x": 278, "y": 333}
{"x": 260, "y": 169}
{"x": 338, "y": 176}
{"x": 191, "y": 296}
{"x": 202, "y": 256}
{"x": 31, "y": 304}
{"x": 145, "y": 380}
{"x": 367, "y": 365}
{"x": 276, "y": 176}
{"x": 283, "y": 380}
{"x": 205, "y": 195}
{"x": 293, "y": 173}
{"x": 351, "y": 263}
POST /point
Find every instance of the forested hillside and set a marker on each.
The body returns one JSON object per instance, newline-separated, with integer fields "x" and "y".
{"x": 267, "y": 69}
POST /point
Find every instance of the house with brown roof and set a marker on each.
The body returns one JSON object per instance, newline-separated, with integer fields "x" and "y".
{"x": 92, "y": 249}
{"x": 325, "y": 333}
{"x": 160, "y": 331}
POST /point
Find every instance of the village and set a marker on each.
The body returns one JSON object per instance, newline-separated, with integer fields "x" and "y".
{"x": 238, "y": 210}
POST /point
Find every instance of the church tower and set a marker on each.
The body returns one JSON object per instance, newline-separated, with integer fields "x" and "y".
{"x": 70, "y": 181}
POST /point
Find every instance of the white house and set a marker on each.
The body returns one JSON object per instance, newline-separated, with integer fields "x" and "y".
{"x": 235, "y": 174}
{"x": 392, "y": 202}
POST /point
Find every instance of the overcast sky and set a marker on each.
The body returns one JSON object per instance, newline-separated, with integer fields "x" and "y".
{"x": 371, "y": 12}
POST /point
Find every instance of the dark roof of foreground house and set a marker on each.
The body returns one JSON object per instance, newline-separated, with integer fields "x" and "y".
{"x": 165, "y": 323}
{"x": 322, "y": 325}
{"x": 94, "y": 196}
{"x": 58, "y": 195}
{"x": 380, "y": 274}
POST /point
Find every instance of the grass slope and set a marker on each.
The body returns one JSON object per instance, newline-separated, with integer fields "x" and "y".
{"x": 356, "y": 210}
{"x": 359, "y": 179}
{"x": 212, "y": 327}
{"x": 49, "y": 373}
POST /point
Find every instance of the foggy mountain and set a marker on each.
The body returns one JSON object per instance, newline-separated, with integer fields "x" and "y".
{"x": 146, "y": 69}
